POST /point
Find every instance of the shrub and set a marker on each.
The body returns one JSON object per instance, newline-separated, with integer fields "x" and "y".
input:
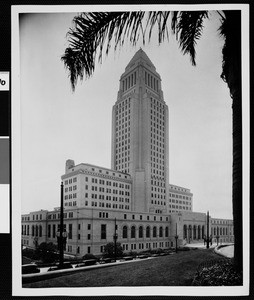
{"x": 47, "y": 252}
{"x": 109, "y": 250}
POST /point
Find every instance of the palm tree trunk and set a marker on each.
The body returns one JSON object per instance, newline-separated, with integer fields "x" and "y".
{"x": 232, "y": 75}
{"x": 237, "y": 179}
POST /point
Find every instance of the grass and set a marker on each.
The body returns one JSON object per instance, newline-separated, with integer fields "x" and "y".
{"x": 173, "y": 270}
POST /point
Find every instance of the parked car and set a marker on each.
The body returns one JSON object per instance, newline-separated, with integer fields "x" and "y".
{"x": 105, "y": 260}
{"x": 30, "y": 269}
{"x": 66, "y": 265}
{"x": 87, "y": 262}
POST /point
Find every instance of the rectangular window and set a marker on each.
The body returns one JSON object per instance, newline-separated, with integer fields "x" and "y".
{"x": 70, "y": 231}
{"x": 89, "y": 236}
{"x": 54, "y": 231}
{"x": 103, "y": 231}
{"x": 88, "y": 226}
{"x": 49, "y": 229}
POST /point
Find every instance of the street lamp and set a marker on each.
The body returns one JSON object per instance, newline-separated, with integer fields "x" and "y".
{"x": 176, "y": 237}
{"x": 217, "y": 238}
{"x": 61, "y": 233}
{"x": 115, "y": 239}
{"x": 207, "y": 231}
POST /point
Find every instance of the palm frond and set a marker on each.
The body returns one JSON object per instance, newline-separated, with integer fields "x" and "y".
{"x": 230, "y": 29}
{"x": 94, "y": 32}
{"x": 188, "y": 28}
{"x": 160, "y": 18}
{"x": 91, "y": 32}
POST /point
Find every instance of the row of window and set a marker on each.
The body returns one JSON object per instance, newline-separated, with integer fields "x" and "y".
{"x": 70, "y": 181}
{"x": 142, "y": 232}
{"x": 57, "y": 216}
{"x": 180, "y": 202}
{"x": 158, "y": 202}
{"x": 70, "y": 196}
{"x": 178, "y": 189}
{"x": 221, "y": 231}
{"x": 225, "y": 222}
{"x": 35, "y": 217}
{"x": 180, "y": 207}
{"x": 129, "y": 81}
{"x": 108, "y": 205}
{"x": 125, "y": 216}
{"x": 156, "y": 125}
{"x": 107, "y": 173}
{"x": 73, "y": 203}
{"x": 141, "y": 246}
{"x": 179, "y": 196}
{"x": 70, "y": 188}
{"x": 156, "y": 104}
{"x": 151, "y": 81}
{"x": 157, "y": 137}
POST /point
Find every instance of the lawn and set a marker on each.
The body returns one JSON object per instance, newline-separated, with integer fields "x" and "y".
{"x": 174, "y": 270}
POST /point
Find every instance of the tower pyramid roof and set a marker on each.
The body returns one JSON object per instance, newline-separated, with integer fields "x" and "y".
{"x": 140, "y": 55}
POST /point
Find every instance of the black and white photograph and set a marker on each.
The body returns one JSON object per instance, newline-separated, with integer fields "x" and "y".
{"x": 130, "y": 150}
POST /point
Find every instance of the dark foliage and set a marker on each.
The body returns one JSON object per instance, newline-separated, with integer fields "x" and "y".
{"x": 109, "y": 250}
{"x": 47, "y": 252}
{"x": 219, "y": 273}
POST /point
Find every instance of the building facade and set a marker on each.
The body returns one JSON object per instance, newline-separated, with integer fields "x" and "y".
{"x": 134, "y": 197}
{"x": 140, "y": 145}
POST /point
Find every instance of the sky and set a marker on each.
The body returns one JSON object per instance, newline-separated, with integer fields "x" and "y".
{"x": 58, "y": 124}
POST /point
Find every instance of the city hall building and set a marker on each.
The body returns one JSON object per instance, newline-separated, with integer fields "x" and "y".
{"x": 134, "y": 197}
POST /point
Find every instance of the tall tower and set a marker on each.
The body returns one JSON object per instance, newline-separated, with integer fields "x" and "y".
{"x": 140, "y": 143}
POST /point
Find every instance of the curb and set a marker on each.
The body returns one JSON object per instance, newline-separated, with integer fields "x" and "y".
{"x": 29, "y": 278}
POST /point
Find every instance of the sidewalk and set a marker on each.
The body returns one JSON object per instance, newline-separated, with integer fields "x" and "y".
{"x": 227, "y": 250}
{"x": 199, "y": 245}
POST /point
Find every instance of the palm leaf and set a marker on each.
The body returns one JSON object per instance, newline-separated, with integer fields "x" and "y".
{"x": 188, "y": 27}
{"x": 91, "y": 32}
{"x": 95, "y": 31}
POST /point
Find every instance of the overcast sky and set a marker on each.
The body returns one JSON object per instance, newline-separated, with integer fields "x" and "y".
{"x": 57, "y": 124}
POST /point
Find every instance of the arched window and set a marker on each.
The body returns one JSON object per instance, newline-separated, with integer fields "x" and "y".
{"x": 166, "y": 232}
{"x": 33, "y": 230}
{"x": 27, "y": 229}
{"x": 214, "y": 231}
{"x": 40, "y": 231}
{"x": 36, "y": 230}
{"x": 125, "y": 232}
{"x": 185, "y": 231}
{"x": 160, "y": 232}
{"x": 147, "y": 231}
{"x": 154, "y": 231}
{"x": 223, "y": 231}
{"x": 220, "y": 231}
{"x": 140, "y": 232}
{"x": 133, "y": 232}
{"x": 226, "y": 231}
